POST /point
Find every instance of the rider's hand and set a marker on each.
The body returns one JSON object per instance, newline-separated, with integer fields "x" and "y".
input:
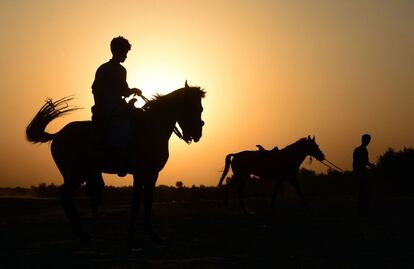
{"x": 137, "y": 91}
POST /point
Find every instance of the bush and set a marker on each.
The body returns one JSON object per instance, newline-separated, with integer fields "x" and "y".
{"x": 397, "y": 167}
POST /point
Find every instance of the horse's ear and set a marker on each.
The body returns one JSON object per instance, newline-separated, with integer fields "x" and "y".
{"x": 313, "y": 138}
{"x": 308, "y": 137}
{"x": 186, "y": 84}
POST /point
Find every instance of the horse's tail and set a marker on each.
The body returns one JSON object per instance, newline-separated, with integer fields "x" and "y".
{"x": 35, "y": 131}
{"x": 226, "y": 167}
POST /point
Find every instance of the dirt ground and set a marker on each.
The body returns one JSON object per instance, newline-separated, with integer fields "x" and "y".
{"x": 34, "y": 234}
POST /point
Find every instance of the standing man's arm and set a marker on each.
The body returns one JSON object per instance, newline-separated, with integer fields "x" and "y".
{"x": 368, "y": 163}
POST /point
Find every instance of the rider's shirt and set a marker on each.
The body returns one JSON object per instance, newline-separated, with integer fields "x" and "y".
{"x": 360, "y": 160}
{"x": 108, "y": 88}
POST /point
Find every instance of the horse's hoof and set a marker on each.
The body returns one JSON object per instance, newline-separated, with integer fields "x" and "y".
{"x": 84, "y": 237}
{"x": 155, "y": 238}
{"x": 249, "y": 212}
{"x": 132, "y": 244}
{"x": 96, "y": 215}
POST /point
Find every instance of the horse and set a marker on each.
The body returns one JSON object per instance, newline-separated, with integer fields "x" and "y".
{"x": 276, "y": 165}
{"x": 80, "y": 160}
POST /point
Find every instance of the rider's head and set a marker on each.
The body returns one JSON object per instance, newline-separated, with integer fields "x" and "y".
{"x": 119, "y": 48}
{"x": 365, "y": 139}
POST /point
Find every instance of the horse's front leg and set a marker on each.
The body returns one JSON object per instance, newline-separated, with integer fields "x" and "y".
{"x": 149, "y": 186}
{"x": 94, "y": 187}
{"x": 136, "y": 203}
{"x": 296, "y": 186}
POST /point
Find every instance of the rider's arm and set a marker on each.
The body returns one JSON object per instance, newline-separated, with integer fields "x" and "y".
{"x": 126, "y": 91}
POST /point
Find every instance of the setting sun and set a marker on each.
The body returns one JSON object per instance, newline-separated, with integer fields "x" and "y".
{"x": 159, "y": 79}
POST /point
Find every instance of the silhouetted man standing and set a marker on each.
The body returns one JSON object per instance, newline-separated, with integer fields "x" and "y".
{"x": 110, "y": 114}
{"x": 360, "y": 165}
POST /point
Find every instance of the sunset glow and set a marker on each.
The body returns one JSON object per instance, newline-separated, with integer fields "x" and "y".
{"x": 274, "y": 71}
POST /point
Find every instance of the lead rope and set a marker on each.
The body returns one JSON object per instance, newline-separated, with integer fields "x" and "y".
{"x": 331, "y": 165}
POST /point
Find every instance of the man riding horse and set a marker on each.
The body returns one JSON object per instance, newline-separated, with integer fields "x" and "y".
{"x": 110, "y": 114}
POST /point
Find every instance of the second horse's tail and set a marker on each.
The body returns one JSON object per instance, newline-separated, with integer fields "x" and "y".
{"x": 226, "y": 168}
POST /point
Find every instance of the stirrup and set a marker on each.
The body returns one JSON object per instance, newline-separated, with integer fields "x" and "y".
{"x": 122, "y": 173}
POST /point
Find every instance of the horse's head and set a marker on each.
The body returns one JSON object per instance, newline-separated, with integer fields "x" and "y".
{"x": 189, "y": 118}
{"x": 312, "y": 149}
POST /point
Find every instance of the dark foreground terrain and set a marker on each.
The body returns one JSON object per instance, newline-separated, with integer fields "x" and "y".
{"x": 34, "y": 234}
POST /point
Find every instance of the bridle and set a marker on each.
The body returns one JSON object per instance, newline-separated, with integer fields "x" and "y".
{"x": 176, "y": 131}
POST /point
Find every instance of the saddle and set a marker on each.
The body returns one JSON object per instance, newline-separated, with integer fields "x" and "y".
{"x": 262, "y": 149}
{"x": 104, "y": 153}
{"x": 103, "y": 147}
{"x": 267, "y": 157}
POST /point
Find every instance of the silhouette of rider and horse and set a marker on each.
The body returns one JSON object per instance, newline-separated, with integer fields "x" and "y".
{"x": 122, "y": 139}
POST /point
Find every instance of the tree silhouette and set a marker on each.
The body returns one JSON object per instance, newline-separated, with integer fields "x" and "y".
{"x": 397, "y": 167}
{"x": 179, "y": 184}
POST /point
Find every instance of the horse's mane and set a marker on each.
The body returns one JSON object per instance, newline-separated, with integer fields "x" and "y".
{"x": 293, "y": 145}
{"x": 159, "y": 99}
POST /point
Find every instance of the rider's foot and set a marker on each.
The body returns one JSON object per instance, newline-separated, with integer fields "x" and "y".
{"x": 122, "y": 173}
{"x": 122, "y": 167}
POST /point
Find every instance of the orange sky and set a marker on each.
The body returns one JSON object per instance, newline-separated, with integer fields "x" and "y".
{"x": 274, "y": 71}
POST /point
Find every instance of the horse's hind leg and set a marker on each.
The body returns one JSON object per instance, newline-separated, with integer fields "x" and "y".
{"x": 67, "y": 191}
{"x": 276, "y": 187}
{"x": 242, "y": 184}
{"x": 227, "y": 190}
{"x": 94, "y": 186}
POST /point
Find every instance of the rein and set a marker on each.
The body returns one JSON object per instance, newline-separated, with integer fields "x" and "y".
{"x": 176, "y": 131}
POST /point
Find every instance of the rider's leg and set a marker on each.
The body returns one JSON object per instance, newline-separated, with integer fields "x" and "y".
{"x": 120, "y": 137}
